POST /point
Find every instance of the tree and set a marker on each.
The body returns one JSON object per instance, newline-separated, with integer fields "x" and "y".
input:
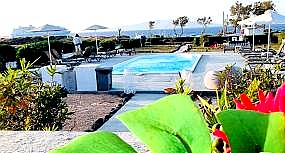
{"x": 236, "y": 13}
{"x": 240, "y": 12}
{"x": 119, "y": 35}
{"x": 260, "y": 7}
{"x": 182, "y": 21}
{"x": 204, "y": 21}
{"x": 175, "y": 23}
{"x": 150, "y": 26}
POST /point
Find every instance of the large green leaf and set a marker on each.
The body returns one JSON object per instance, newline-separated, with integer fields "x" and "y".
{"x": 96, "y": 142}
{"x": 253, "y": 132}
{"x": 171, "y": 125}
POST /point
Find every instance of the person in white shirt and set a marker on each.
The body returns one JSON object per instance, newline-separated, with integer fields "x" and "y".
{"x": 77, "y": 42}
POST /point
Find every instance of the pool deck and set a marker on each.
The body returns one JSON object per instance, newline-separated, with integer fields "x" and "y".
{"x": 157, "y": 82}
{"x": 42, "y": 141}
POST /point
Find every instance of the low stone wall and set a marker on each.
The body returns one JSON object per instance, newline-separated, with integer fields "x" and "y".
{"x": 43, "y": 141}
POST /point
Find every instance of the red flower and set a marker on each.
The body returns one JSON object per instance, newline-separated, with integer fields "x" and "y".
{"x": 220, "y": 134}
{"x": 266, "y": 104}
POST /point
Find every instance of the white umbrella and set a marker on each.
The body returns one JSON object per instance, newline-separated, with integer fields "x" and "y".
{"x": 249, "y": 21}
{"x": 94, "y": 28}
{"x": 269, "y": 17}
{"x": 51, "y": 30}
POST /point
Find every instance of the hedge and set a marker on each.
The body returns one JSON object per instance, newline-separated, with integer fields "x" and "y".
{"x": 33, "y": 51}
{"x": 280, "y": 36}
{"x": 7, "y": 54}
{"x": 108, "y": 44}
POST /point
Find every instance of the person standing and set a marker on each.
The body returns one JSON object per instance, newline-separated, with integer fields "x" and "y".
{"x": 77, "y": 42}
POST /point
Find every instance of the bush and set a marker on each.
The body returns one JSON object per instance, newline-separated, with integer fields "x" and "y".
{"x": 33, "y": 51}
{"x": 239, "y": 81}
{"x": 7, "y": 54}
{"x": 280, "y": 36}
{"x": 28, "y": 106}
{"x": 132, "y": 43}
{"x": 90, "y": 42}
{"x": 196, "y": 42}
{"x": 204, "y": 40}
{"x": 108, "y": 44}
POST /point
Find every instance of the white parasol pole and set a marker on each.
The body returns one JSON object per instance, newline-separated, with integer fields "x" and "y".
{"x": 253, "y": 32}
{"x": 268, "y": 45}
{"x": 50, "y": 60}
{"x": 97, "y": 49}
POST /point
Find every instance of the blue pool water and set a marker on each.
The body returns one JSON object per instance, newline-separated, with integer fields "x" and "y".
{"x": 162, "y": 63}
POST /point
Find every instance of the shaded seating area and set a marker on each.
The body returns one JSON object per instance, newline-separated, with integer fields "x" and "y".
{"x": 263, "y": 58}
{"x": 72, "y": 58}
{"x": 129, "y": 52}
{"x": 236, "y": 46}
{"x": 121, "y": 50}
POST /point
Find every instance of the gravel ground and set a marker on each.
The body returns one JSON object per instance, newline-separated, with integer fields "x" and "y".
{"x": 88, "y": 108}
{"x": 41, "y": 141}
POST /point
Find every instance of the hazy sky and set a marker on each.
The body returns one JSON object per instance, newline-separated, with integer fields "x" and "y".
{"x": 77, "y": 15}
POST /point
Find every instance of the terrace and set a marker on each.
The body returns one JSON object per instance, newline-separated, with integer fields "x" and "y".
{"x": 149, "y": 87}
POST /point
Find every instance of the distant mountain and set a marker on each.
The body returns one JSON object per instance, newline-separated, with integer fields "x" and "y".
{"x": 159, "y": 24}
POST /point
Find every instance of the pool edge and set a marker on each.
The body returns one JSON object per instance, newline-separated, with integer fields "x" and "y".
{"x": 196, "y": 63}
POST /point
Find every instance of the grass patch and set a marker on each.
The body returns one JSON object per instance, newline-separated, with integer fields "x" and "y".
{"x": 157, "y": 49}
{"x": 206, "y": 49}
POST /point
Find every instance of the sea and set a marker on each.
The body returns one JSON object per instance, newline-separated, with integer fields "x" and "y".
{"x": 170, "y": 32}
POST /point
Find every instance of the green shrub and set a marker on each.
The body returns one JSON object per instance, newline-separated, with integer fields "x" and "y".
{"x": 90, "y": 42}
{"x": 28, "y": 106}
{"x": 7, "y": 54}
{"x": 33, "y": 51}
{"x": 49, "y": 108}
{"x": 132, "y": 43}
{"x": 247, "y": 81}
{"x": 280, "y": 36}
{"x": 108, "y": 44}
{"x": 203, "y": 40}
{"x": 196, "y": 42}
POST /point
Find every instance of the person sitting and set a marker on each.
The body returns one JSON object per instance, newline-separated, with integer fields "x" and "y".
{"x": 77, "y": 42}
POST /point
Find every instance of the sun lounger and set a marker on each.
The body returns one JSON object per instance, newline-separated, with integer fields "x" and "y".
{"x": 281, "y": 50}
{"x": 90, "y": 54}
{"x": 130, "y": 52}
{"x": 236, "y": 46}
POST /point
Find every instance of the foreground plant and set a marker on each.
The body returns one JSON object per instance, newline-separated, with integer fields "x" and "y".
{"x": 25, "y": 105}
{"x": 238, "y": 81}
{"x": 171, "y": 125}
{"x": 175, "y": 125}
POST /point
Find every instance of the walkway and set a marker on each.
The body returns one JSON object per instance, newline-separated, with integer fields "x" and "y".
{"x": 138, "y": 101}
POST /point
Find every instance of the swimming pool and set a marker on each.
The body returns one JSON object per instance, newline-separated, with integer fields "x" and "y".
{"x": 158, "y": 63}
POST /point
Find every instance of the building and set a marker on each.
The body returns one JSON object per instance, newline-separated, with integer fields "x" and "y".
{"x": 248, "y": 30}
{"x": 32, "y": 31}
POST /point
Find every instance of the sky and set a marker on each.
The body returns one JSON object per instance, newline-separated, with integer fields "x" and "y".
{"x": 77, "y": 15}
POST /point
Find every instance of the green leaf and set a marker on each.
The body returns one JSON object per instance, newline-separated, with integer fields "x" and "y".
{"x": 171, "y": 125}
{"x": 96, "y": 142}
{"x": 253, "y": 132}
